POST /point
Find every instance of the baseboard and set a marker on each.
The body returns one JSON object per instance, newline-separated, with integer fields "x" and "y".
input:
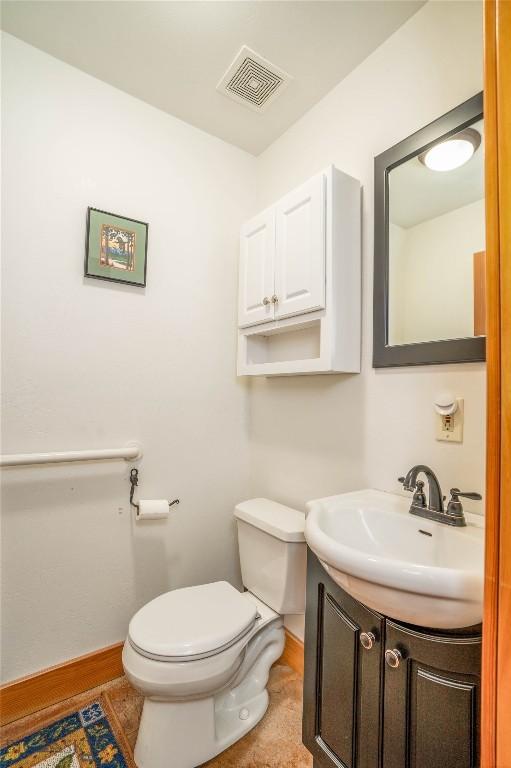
{"x": 50, "y": 686}
{"x": 293, "y": 653}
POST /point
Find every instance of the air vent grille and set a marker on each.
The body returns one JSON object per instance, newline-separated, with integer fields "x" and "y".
{"x": 253, "y": 81}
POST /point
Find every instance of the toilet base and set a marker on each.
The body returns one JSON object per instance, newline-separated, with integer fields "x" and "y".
{"x": 185, "y": 734}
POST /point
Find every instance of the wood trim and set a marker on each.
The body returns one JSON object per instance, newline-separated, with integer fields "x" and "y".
{"x": 293, "y": 653}
{"x": 480, "y": 293}
{"x": 490, "y": 613}
{"x": 55, "y": 684}
{"x": 51, "y": 686}
{"x": 496, "y": 691}
{"x": 503, "y": 26}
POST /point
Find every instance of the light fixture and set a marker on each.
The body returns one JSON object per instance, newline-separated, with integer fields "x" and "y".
{"x": 452, "y": 152}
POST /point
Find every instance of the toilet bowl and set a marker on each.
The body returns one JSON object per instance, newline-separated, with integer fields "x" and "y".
{"x": 201, "y": 655}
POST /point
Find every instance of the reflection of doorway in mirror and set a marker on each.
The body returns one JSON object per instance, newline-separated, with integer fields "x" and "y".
{"x": 480, "y": 293}
{"x": 431, "y": 276}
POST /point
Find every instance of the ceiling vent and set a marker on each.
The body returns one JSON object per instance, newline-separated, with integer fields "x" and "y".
{"x": 253, "y": 81}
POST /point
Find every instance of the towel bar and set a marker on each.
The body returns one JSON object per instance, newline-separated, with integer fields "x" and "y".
{"x": 130, "y": 452}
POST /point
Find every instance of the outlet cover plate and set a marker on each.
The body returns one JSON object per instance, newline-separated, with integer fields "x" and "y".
{"x": 450, "y": 428}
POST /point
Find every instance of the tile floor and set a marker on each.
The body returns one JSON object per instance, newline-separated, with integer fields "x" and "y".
{"x": 274, "y": 743}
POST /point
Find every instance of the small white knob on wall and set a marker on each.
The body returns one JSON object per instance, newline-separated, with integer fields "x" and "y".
{"x": 446, "y": 404}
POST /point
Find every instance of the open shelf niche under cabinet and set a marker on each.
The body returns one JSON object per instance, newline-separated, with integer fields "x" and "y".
{"x": 300, "y": 282}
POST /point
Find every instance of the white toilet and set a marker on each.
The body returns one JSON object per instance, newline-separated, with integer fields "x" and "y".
{"x": 201, "y": 656}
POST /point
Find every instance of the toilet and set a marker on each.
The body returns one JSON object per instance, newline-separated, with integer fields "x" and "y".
{"x": 201, "y": 655}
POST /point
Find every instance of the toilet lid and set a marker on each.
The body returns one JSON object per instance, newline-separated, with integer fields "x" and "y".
{"x": 192, "y": 622}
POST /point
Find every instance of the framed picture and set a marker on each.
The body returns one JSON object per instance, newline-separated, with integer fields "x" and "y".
{"x": 115, "y": 248}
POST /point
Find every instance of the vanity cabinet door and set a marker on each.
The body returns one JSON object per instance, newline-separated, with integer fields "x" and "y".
{"x": 342, "y": 702}
{"x": 300, "y": 250}
{"x": 256, "y": 275}
{"x": 431, "y": 699}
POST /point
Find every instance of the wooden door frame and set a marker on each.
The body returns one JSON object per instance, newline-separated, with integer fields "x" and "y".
{"x": 496, "y": 680}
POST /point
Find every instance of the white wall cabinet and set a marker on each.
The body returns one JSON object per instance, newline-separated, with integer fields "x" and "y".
{"x": 300, "y": 250}
{"x": 256, "y": 278}
{"x": 299, "y": 281}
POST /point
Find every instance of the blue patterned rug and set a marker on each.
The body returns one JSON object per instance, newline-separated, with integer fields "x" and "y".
{"x": 83, "y": 738}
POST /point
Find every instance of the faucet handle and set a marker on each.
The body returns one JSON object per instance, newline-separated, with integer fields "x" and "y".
{"x": 455, "y": 508}
{"x": 456, "y": 493}
{"x": 419, "y": 497}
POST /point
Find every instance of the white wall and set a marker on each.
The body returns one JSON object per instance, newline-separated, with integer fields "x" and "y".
{"x": 431, "y": 268}
{"x": 94, "y": 364}
{"x": 314, "y": 436}
{"x": 397, "y": 284}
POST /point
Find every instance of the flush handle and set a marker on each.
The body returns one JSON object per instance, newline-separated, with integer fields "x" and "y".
{"x": 393, "y": 658}
{"x": 367, "y": 640}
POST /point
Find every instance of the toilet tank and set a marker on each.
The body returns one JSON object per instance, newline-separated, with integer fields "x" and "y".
{"x": 273, "y": 553}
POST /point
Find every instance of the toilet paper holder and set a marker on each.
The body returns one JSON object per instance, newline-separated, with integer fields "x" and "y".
{"x": 134, "y": 483}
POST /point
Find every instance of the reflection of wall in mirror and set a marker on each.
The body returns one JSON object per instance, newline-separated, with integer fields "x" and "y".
{"x": 431, "y": 292}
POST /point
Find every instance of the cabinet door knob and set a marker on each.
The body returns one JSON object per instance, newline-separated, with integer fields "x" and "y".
{"x": 367, "y": 640}
{"x": 266, "y": 301}
{"x": 393, "y": 658}
{"x": 274, "y": 299}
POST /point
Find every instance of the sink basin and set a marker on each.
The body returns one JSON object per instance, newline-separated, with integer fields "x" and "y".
{"x": 405, "y": 567}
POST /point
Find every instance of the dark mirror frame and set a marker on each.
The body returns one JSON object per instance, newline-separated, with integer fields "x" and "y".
{"x": 467, "y": 350}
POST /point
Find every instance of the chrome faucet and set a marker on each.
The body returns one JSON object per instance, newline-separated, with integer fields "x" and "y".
{"x": 453, "y": 515}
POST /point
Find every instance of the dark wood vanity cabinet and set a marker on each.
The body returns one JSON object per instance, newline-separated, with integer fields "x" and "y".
{"x": 359, "y": 712}
{"x": 342, "y": 681}
{"x": 431, "y": 699}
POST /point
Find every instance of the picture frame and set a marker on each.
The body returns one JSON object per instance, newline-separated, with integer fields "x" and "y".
{"x": 115, "y": 248}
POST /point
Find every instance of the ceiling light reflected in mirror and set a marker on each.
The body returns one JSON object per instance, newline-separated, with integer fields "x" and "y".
{"x": 452, "y": 153}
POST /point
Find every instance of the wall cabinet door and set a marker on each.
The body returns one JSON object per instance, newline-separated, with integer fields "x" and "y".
{"x": 300, "y": 250}
{"x": 256, "y": 276}
{"x": 431, "y": 700}
{"x": 342, "y": 702}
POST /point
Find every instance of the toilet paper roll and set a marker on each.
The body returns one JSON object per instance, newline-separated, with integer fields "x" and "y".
{"x": 152, "y": 509}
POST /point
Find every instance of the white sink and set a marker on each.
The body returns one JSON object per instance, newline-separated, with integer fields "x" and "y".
{"x": 403, "y": 566}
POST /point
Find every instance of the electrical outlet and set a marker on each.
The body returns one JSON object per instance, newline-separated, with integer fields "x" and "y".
{"x": 450, "y": 428}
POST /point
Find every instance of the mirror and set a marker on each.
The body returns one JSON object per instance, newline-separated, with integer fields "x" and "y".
{"x": 436, "y": 241}
{"x": 429, "y": 302}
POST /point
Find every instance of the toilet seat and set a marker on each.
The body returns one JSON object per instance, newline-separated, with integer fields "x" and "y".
{"x": 170, "y": 678}
{"x": 192, "y": 623}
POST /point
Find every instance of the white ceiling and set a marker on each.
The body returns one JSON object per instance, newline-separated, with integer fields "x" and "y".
{"x": 172, "y": 54}
{"x": 417, "y": 194}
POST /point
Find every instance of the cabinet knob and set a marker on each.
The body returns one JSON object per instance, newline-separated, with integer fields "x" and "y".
{"x": 266, "y": 301}
{"x": 393, "y": 658}
{"x": 367, "y": 640}
{"x": 274, "y": 299}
